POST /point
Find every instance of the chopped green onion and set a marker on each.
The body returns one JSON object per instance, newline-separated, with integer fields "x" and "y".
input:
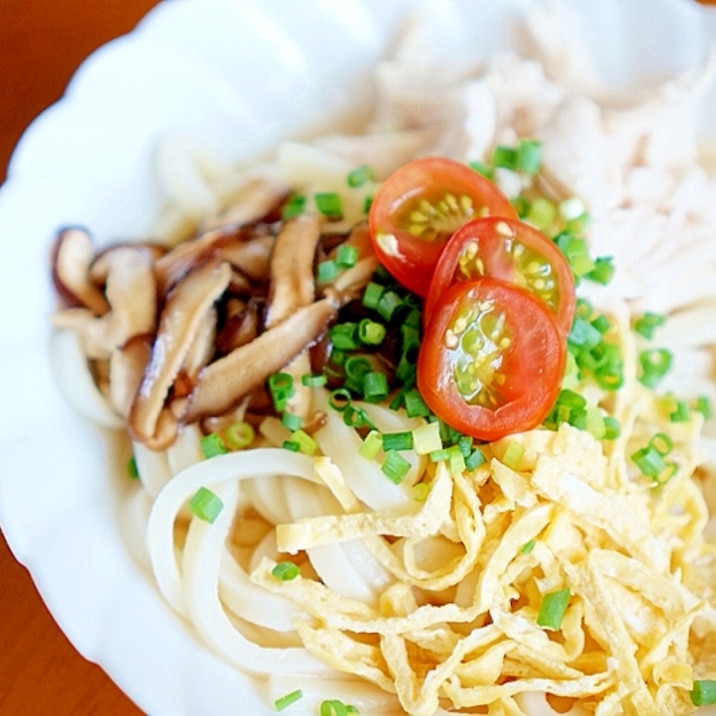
{"x": 339, "y": 399}
{"x": 285, "y": 571}
{"x": 371, "y": 445}
{"x": 553, "y": 608}
{"x": 646, "y": 324}
{"x": 529, "y": 156}
{"x": 612, "y": 428}
{"x": 132, "y": 469}
{"x": 522, "y": 206}
{"x": 475, "y": 459}
{"x": 356, "y": 418}
{"x": 456, "y": 460}
{"x": 397, "y": 441}
{"x": 205, "y": 505}
{"x": 327, "y": 271}
{"x": 291, "y": 445}
{"x": 655, "y": 364}
{"x": 662, "y": 443}
{"x": 346, "y": 256}
{"x": 703, "y": 406}
{"x": 464, "y": 444}
{"x": 583, "y": 335}
{"x": 527, "y": 547}
{"x": 370, "y": 332}
{"x": 356, "y": 368}
{"x": 650, "y": 462}
{"x": 335, "y": 707}
{"x": 601, "y": 323}
{"x": 360, "y": 175}
{"x": 281, "y": 389}
{"x": 576, "y": 252}
{"x": 239, "y": 435}
{"x": 313, "y": 381}
{"x": 703, "y": 692}
{"x": 506, "y": 157}
{"x": 375, "y": 386}
{"x": 329, "y": 204}
{"x": 680, "y": 412}
{"x": 295, "y": 205}
{"x": 426, "y": 438}
{"x": 285, "y": 701}
{"x": 343, "y": 336}
{"x": 395, "y": 467}
{"x": 291, "y": 421}
{"x": 513, "y": 455}
{"x": 610, "y": 376}
{"x": 415, "y": 406}
{"x": 603, "y": 270}
{"x": 388, "y": 303}
{"x": 541, "y": 213}
{"x": 371, "y": 295}
{"x": 306, "y": 444}
{"x": 212, "y": 445}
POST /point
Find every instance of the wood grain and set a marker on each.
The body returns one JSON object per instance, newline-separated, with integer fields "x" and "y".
{"x": 41, "y": 44}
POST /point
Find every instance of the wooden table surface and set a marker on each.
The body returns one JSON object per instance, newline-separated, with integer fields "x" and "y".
{"x": 41, "y": 44}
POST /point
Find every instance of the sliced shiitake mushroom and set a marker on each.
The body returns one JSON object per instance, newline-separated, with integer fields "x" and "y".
{"x": 292, "y": 278}
{"x": 186, "y": 306}
{"x": 230, "y": 243}
{"x": 225, "y": 382}
{"x": 72, "y": 254}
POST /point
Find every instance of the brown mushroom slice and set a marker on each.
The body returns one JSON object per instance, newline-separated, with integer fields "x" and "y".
{"x": 165, "y": 431}
{"x": 203, "y": 346}
{"x": 72, "y": 254}
{"x": 131, "y": 290}
{"x": 292, "y": 279}
{"x": 240, "y": 325}
{"x": 252, "y": 258}
{"x": 187, "y": 305}
{"x": 131, "y": 295}
{"x": 353, "y": 280}
{"x": 126, "y": 368}
{"x": 210, "y": 245}
{"x": 225, "y": 382}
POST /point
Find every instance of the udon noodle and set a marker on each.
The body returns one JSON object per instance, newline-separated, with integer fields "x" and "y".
{"x": 422, "y": 597}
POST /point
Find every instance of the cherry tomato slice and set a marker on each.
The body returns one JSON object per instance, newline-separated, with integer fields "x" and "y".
{"x": 492, "y": 359}
{"x": 419, "y": 206}
{"x": 510, "y": 250}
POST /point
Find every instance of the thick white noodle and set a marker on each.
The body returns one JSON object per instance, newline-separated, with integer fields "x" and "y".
{"x": 254, "y": 604}
{"x": 75, "y": 381}
{"x": 332, "y": 562}
{"x": 201, "y": 562}
{"x": 153, "y": 468}
{"x": 363, "y": 477}
{"x": 209, "y": 473}
{"x": 192, "y": 589}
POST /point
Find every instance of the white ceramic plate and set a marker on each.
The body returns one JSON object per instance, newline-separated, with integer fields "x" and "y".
{"x": 239, "y": 76}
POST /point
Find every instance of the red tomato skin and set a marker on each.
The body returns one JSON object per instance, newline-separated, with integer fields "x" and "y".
{"x": 536, "y": 362}
{"x": 491, "y": 241}
{"x": 412, "y": 260}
